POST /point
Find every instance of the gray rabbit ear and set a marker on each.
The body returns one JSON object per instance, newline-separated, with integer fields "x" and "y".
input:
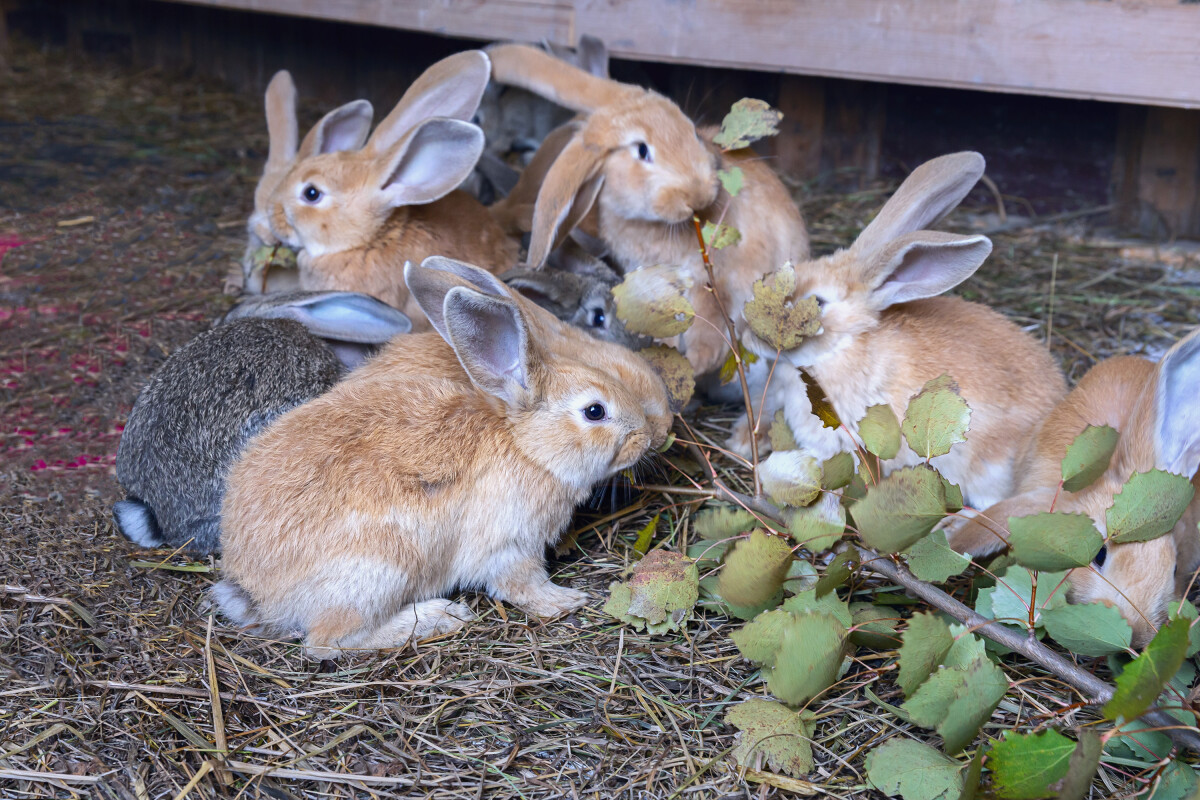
{"x": 492, "y": 342}
{"x": 923, "y": 264}
{"x": 932, "y": 191}
{"x": 336, "y": 316}
{"x": 551, "y": 289}
{"x": 593, "y": 55}
{"x": 436, "y": 276}
{"x": 1177, "y": 423}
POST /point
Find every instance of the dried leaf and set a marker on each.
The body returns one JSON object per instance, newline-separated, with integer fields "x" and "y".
{"x": 1148, "y": 506}
{"x": 773, "y": 733}
{"x": 654, "y": 301}
{"x": 821, "y": 406}
{"x": 775, "y": 318}
{"x": 729, "y": 368}
{"x": 718, "y": 237}
{"x": 645, "y": 537}
{"x": 748, "y": 121}
{"x": 675, "y": 370}
{"x": 1054, "y": 540}
{"x": 1088, "y": 456}
{"x": 937, "y": 418}
{"x": 754, "y": 569}
{"x": 900, "y": 509}
{"x": 880, "y": 431}
{"x": 660, "y": 594}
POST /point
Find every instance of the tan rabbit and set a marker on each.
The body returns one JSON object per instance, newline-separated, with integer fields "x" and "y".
{"x": 885, "y": 333}
{"x": 449, "y": 460}
{"x": 356, "y": 216}
{"x": 282, "y": 154}
{"x": 647, "y": 169}
{"x": 1156, "y": 410}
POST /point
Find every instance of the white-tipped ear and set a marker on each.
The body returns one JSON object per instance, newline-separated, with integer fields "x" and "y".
{"x": 489, "y": 335}
{"x": 430, "y": 162}
{"x": 283, "y": 133}
{"x": 344, "y": 128}
{"x": 451, "y": 88}
{"x": 337, "y": 316}
{"x": 435, "y": 276}
{"x": 1177, "y": 427}
{"x": 931, "y": 192}
{"x": 923, "y": 264}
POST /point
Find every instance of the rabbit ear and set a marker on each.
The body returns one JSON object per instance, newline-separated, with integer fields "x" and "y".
{"x": 451, "y": 88}
{"x": 515, "y": 212}
{"x": 931, "y": 192}
{"x": 546, "y": 287}
{"x": 436, "y": 276}
{"x": 1177, "y": 425}
{"x": 492, "y": 342}
{"x": 503, "y": 177}
{"x": 344, "y": 128}
{"x": 593, "y": 55}
{"x": 566, "y": 196}
{"x": 430, "y": 162}
{"x": 923, "y": 264}
{"x": 551, "y": 78}
{"x": 282, "y": 129}
{"x": 338, "y": 316}
{"x": 574, "y": 258}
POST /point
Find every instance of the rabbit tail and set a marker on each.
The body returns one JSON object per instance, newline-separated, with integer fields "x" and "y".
{"x": 137, "y": 522}
{"x": 235, "y": 603}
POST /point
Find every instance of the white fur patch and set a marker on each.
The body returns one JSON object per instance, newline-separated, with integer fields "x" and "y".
{"x": 136, "y": 521}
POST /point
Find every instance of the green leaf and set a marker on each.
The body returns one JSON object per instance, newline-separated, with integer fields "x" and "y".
{"x": 900, "y": 509}
{"x": 972, "y": 776}
{"x": 874, "y": 627}
{"x": 957, "y": 701}
{"x": 818, "y": 526}
{"x": 1148, "y": 506}
{"x": 1081, "y": 769}
{"x": 269, "y": 257}
{"x": 1088, "y": 456}
{"x": 966, "y": 650}
{"x": 1025, "y": 765}
{"x": 791, "y": 477}
{"x": 781, "y": 434}
{"x": 732, "y": 180}
{"x": 772, "y": 733}
{"x": 1010, "y": 599}
{"x": 729, "y": 368}
{"x": 1089, "y": 629}
{"x": 754, "y": 570}
{"x": 645, "y": 537}
{"x": 954, "y": 498}
{"x": 913, "y": 770}
{"x": 748, "y": 121}
{"x": 675, "y": 370}
{"x": 1186, "y": 610}
{"x": 805, "y": 601}
{"x": 932, "y": 559}
{"x": 775, "y": 318}
{"x": 925, "y": 643}
{"x": 659, "y": 596}
{"x": 759, "y": 639}
{"x": 937, "y": 418}
{"x": 718, "y": 237}
{"x": 808, "y": 659}
{"x": 1054, "y": 540}
{"x": 837, "y": 573}
{"x": 653, "y": 301}
{"x": 880, "y": 431}
{"x": 1178, "y": 781}
{"x": 837, "y": 471}
{"x": 1141, "y": 682}
{"x": 721, "y": 522}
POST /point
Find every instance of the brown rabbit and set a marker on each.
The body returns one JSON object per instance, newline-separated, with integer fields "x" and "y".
{"x": 1156, "y": 410}
{"x": 449, "y": 460}
{"x": 356, "y": 216}
{"x": 647, "y": 169}
{"x": 885, "y": 332}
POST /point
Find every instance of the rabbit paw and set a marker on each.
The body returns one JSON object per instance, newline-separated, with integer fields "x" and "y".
{"x": 551, "y": 600}
{"x": 739, "y": 441}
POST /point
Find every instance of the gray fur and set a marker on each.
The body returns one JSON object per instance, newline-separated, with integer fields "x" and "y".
{"x": 191, "y": 421}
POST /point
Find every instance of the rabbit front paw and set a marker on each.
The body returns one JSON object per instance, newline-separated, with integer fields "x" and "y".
{"x": 552, "y": 600}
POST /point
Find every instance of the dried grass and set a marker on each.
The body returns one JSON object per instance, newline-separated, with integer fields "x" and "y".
{"x": 116, "y": 682}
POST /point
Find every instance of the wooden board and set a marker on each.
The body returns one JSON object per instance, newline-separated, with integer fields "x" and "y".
{"x": 1145, "y": 51}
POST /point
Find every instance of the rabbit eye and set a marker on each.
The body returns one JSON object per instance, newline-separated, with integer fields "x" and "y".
{"x": 821, "y": 301}
{"x": 643, "y": 151}
{"x": 310, "y": 193}
{"x": 595, "y": 412}
{"x": 598, "y": 319}
{"x": 1101, "y": 557}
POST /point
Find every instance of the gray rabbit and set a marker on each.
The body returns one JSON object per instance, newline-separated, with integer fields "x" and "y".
{"x": 268, "y": 355}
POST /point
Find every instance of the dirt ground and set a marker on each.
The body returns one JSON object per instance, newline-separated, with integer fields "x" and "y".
{"x": 123, "y": 197}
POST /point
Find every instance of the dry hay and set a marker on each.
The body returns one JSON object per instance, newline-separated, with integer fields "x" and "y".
{"x": 122, "y": 208}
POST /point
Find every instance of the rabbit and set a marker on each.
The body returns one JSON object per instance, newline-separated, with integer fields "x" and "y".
{"x": 450, "y": 460}
{"x": 1156, "y": 410}
{"x": 282, "y": 153}
{"x": 885, "y": 332}
{"x": 647, "y": 169}
{"x": 189, "y": 423}
{"x": 356, "y": 215}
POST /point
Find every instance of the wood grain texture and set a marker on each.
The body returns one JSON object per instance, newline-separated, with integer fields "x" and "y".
{"x": 1121, "y": 50}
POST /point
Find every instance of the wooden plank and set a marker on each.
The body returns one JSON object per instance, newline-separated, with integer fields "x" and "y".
{"x": 798, "y": 146}
{"x": 1137, "y": 51}
{"x": 1156, "y": 175}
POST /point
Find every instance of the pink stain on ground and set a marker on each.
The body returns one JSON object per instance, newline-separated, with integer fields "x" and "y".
{"x": 9, "y": 243}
